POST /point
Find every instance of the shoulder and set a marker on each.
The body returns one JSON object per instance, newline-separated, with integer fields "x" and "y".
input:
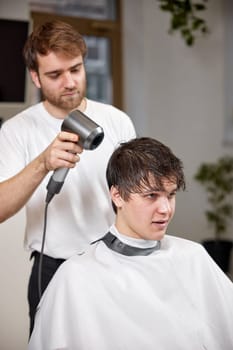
{"x": 76, "y": 264}
{"x": 87, "y": 266}
{"x": 102, "y": 106}
{"x": 108, "y": 110}
{"x": 189, "y": 258}
{"x": 25, "y": 116}
{"x": 117, "y": 124}
{"x": 182, "y": 245}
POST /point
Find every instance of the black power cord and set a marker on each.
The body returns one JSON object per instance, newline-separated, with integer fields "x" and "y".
{"x": 53, "y": 188}
{"x": 42, "y": 251}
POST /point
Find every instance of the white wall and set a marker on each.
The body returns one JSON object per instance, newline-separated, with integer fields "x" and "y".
{"x": 173, "y": 93}
{"x": 176, "y": 93}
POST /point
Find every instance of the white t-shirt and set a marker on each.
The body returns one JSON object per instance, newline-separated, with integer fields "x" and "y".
{"x": 177, "y": 298}
{"x": 82, "y": 211}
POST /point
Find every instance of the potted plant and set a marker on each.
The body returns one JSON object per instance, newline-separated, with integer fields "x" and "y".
{"x": 217, "y": 179}
{"x": 184, "y": 17}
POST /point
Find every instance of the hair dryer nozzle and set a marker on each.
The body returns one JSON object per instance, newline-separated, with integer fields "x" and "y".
{"x": 90, "y": 133}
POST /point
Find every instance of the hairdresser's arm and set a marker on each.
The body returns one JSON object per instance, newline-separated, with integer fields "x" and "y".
{"x": 16, "y": 191}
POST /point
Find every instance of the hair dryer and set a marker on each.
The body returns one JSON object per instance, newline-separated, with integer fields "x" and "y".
{"x": 90, "y": 136}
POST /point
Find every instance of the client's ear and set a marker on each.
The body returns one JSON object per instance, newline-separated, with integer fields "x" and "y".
{"x": 116, "y": 197}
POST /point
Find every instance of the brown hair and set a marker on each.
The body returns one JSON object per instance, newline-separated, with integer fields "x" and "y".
{"x": 56, "y": 36}
{"x": 143, "y": 163}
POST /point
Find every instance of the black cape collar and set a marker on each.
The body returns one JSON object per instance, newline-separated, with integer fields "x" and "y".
{"x": 118, "y": 246}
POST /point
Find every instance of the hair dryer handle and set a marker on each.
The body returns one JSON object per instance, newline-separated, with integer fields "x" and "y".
{"x": 56, "y": 182}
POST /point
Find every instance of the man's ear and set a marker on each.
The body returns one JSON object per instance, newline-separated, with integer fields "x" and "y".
{"x": 35, "y": 78}
{"x": 116, "y": 197}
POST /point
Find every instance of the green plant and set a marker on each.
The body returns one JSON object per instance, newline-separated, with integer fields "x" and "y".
{"x": 184, "y": 18}
{"x": 217, "y": 179}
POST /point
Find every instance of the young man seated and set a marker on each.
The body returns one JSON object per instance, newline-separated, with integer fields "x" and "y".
{"x": 137, "y": 288}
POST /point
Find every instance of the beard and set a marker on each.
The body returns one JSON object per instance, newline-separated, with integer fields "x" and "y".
{"x": 68, "y": 100}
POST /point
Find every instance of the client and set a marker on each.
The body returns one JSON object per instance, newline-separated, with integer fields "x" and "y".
{"x": 137, "y": 288}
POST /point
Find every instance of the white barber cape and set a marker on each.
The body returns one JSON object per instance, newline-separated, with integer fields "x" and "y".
{"x": 176, "y": 298}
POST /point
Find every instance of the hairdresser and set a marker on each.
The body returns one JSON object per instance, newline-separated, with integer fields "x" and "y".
{"x": 33, "y": 146}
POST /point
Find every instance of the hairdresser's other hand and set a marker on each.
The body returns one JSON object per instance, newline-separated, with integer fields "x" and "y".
{"x": 63, "y": 152}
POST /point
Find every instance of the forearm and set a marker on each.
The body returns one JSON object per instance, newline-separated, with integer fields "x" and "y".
{"x": 16, "y": 191}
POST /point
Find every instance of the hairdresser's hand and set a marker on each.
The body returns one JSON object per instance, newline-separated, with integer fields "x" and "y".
{"x": 63, "y": 152}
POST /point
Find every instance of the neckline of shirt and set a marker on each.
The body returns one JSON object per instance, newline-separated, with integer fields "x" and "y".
{"x": 53, "y": 120}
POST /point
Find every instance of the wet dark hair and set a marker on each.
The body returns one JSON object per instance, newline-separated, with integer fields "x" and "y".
{"x": 54, "y": 36}
{"x": 143, "y": 163}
